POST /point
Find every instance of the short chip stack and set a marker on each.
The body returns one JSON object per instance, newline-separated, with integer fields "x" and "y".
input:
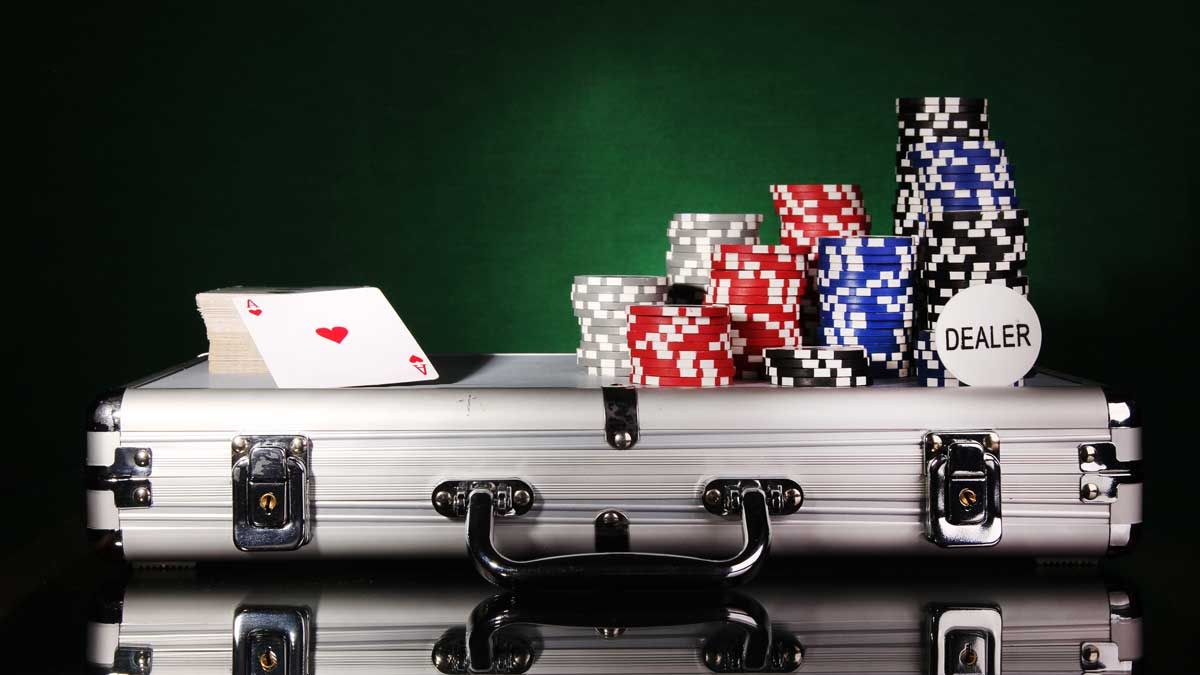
{"x": 809, "y": 211}
{"x": 695, "y": 236}
{"x": 761, "y": 284}
{"x": 833, "y": 366}
{"x": 600, "y": 304}
{"x": 865, "y": 286}
{"x": 680, "y": 345}
{"x": 930, "y": 370}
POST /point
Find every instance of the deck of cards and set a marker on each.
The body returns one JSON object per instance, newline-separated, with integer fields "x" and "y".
{"x": 311, "y": 338}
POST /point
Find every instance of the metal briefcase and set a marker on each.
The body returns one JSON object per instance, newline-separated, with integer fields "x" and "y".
{"x": 556, "y": 477}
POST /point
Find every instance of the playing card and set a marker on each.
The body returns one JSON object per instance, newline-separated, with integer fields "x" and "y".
{"x": 332, "y": 338}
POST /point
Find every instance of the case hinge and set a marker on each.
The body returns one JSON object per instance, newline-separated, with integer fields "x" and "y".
{"x": 128, "y": 478}
{"x": 963, "y": 488}
{"x": 1103, "y": 472}
{"x": 964, "y": 640}
{"x": 272, "y": 641}
{"x": 270, "y": 492}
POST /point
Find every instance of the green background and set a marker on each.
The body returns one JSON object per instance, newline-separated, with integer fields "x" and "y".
{"x": 469, "y": 159}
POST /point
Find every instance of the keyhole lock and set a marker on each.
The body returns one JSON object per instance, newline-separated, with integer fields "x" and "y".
{"x": 967, "y": 656}
{"x": 268, "y": 502}
{"x": 967, "y": 497}
{"x": 268, "y": 660}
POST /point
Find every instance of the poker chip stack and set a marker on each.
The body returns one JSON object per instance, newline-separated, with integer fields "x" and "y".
{"x": 761, "y": 284}
{"x": 865, "y": 286}
{"x": 680, "y": 345}
{"x": 600, "y": 304}
{"x": 930, "y": 370}
{"x": 925, "y": 120}
{"x": 809, "y": 211}
{"x": 834, "y": 366}
{"x": 973, "y": 232}
{"x": 695, "y": 236}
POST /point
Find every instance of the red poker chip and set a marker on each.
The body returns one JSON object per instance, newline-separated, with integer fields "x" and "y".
{"x": 646, "y": 320}
{"x": 759, "y": 324}
{"x": 650, "y": 380}
{"x": 726, "y": 370}
{"x": 766, "y": 317}
{"x": 652, "y": 364}
{"x": 818, "y": 203}
{"x": 754, "y": 308}
{"x": 743, "y": 300}
{"x": 728, "y": 266}
{"x": 676, "y": 346}
{"x": 833, "y": 219}
{"x": 749, "y": 332}
{"x": 678, "y": 355}
{"x": 755, "y": 275}
{"x": 785, "y": 341}
{"x": 816, "y": 187}
{"x": 677, "y": 310}
{"x": 675, "y": 329}
{"x": 784, "y": 211}
{"x": 756, "y": 291}
{"x": 754, "y": 249}
{"x": 800, "y": 196}
{"x": 757, "y": 283}
{"x": 719, "y": 259}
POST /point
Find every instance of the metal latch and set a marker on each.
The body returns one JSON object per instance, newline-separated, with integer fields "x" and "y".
{"x": 963, "y": 488}
{"x": 621, "y": 417}
{"x": 964, "y": 640}
{"x": 272, "y": 641}
{"x": 128, "y": 478}
{"x": 270, "y": 492}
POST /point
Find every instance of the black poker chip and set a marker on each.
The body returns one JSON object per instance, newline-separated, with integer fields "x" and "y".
{"x": 968, "y": 117}
{"x": 946, "y": 278}
{"x": 973, "y": 216}
{"x": 981, "y": 266}
{"x": 941, "y": 103}
{"x": 997, "y": 240}
{"x": 857, "y": 381}
{"x": 809, "y": 364}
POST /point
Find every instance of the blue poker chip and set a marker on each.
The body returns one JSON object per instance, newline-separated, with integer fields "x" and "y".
{"x": 974, "y": 204}
{"x": 826, "y": 265}
{"x": 967, "y": 170}
{"x": 850, "y": 276}
{"x": 905, "y": 295}
{"x": 968, "y": 194}
{"x": 869, "y": 245}
{"x": 916, "y": 152}
{"x": 861, "y": 320}
{"x": 841, "y": 293}
{"x": 868, "y": 332}
{"x": 936, "y": 185}
{"x": 838, "y": 308}
{"x": 939, "y": 164}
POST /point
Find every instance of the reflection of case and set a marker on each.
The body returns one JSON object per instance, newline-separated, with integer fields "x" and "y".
{"x": 192, "y": 466}
{"x": 1063, "y": 624}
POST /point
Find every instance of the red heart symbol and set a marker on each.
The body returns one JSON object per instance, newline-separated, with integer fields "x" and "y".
{"x": 415, "y": 359}
{"x": 336, "y": 334}
{"x": 255, "y": 312}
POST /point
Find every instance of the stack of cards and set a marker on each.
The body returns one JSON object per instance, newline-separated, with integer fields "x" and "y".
{"x": 311, "y": 338}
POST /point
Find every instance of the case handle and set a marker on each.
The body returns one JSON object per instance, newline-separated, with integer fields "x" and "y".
{"x": 626, "y": 569}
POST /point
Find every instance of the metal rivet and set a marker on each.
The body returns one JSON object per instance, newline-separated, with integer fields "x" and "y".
{"x": 268, "y": 660}
{"x": 611, "y": 518}
{"x": 796, "y": 657}
{"x": 298, "y": 445}
{"x": 520, "y": 660}
{"x": 1090, "y": 654}
{"x": 792, "y": 498}
{"x": 610, "y": 633}
{"x": 239, "y": 444}
{"x": 1088, "y": 454}
{"x": 142, "y": 661}
{"x": 268, "y": 502}
{"x": 141, "y": 457}
{"x": 713, "y": 497}
{"x": 935, "y": 443}
{"x": 141, "y": 495}
{"x": 1089, "y": 491}
{"x": 622, "y": 440}
{"x": 521, "y": 498}
{"x": 967, "y": 497}
{"x": 442, "y": 500}
{"x": 992, "y": 442}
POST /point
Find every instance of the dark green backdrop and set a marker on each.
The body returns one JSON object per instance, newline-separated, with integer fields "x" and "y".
{"x": 470, "y": 159}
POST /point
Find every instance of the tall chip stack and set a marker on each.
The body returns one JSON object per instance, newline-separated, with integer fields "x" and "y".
{"x": 600, "y": 304}
{"x": 761, "y": 284}
{"x": 865, "y": 286}
{"x": 695, "y": 236}
{"x": 973, "y": 232}
{"x": 923, "y": 120}
{"x": 680, "y": 345}
{"x": 809, "y": 211}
